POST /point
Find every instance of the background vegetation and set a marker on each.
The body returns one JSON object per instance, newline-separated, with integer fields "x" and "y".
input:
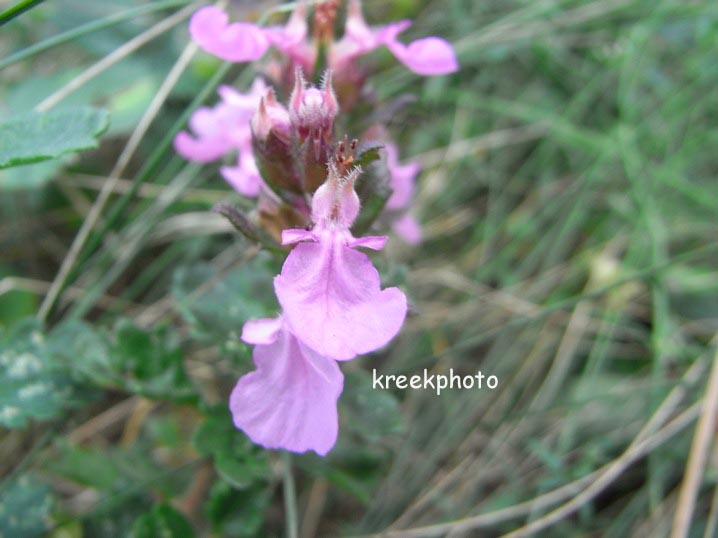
{"x": 570, "y": 207}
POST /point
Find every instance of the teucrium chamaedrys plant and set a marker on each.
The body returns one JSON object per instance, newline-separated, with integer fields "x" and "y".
{"x": 304, "y": 178}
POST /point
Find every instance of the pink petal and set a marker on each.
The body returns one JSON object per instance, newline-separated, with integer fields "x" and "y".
{"x": 235, "y": 42}
{"x": 290, "y": 400}
{"x": 388, "y": 34}
{"x": 374, "y": 242}
{"x": 408, "y": 228}
{"x": 261, "y": 331}
{"x": 199, "y": 149}
{"x": 401, "y": 179}
{"x": 294, "y": 235}
{"x": 332, "y": 298}
{"x": 359, "y": 38}
{"x": 291, "y": 40}
{"x": 244, "y": 177}
{"x": 246, "y": 101}
{"x": 427, "y": 56}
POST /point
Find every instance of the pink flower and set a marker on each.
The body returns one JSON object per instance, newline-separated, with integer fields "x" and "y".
{"x": 401, "y": 179}
{"x": 224, "y": 128}
{"x": 246, "y": 42}
{"x": 408, "y": 228}
{"x": 245, "y": 177}
{"x": 330, "y": 293}
{"x": 427, "y": 56}
{"x": 290, "y": 400}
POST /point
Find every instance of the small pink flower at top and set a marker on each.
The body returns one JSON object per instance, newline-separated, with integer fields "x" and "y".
{"x": 330, "y": 293}
{"x": 224, "y": 128}
{"x": 246, "y": 42}
{"x": 290, "y": 400}
{"x": 427, "y": 56}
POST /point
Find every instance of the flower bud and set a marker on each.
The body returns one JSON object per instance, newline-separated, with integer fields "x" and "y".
{"x": 271, "y": 119}
{"x": 271, "y": 141}
{"x": 312, "y": 112}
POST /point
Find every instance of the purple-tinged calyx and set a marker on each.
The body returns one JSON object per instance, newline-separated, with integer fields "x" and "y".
{"x": 272, "y": 133}
{"x": 271, "y": 119}
{"x": 313, "y": 110}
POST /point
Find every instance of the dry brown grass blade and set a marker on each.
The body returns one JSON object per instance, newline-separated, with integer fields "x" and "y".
{"x": 699, "y": 454}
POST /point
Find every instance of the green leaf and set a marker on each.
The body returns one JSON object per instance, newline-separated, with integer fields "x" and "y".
{"x": 31, "y": 384}
{"x": 239, "y": 513}
{"x": 38, "y": 136}
{"x": 84, "y": 352}
{"x": 140, "y": 362}
{"x": 373, "y": 187}
{"x": 367, "y": 153}
{"x": 25, "y": 507}
{"x": 369, "y": 413}
{"x": 162, "y": 521}
{"x": 152, "y": 363}
{"x": 216, "y": 306}
{"x": 236, "y": 459}
{"x": 92, "y": 467}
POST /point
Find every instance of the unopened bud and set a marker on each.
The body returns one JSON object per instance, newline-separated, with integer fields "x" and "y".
{"x": 271, "y": 119}
{"x": 271, "y": 141}
{"x": 312, "y": 110}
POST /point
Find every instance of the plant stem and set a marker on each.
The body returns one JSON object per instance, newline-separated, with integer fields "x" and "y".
{"x": 19, "y": 8}
{"x": 290, "y": 497}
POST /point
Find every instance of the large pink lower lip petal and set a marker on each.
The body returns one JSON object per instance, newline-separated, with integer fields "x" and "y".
{"x": 332, "y": 298}
{"x": 290, "y": 400}
{"x": 235, "y": 42}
